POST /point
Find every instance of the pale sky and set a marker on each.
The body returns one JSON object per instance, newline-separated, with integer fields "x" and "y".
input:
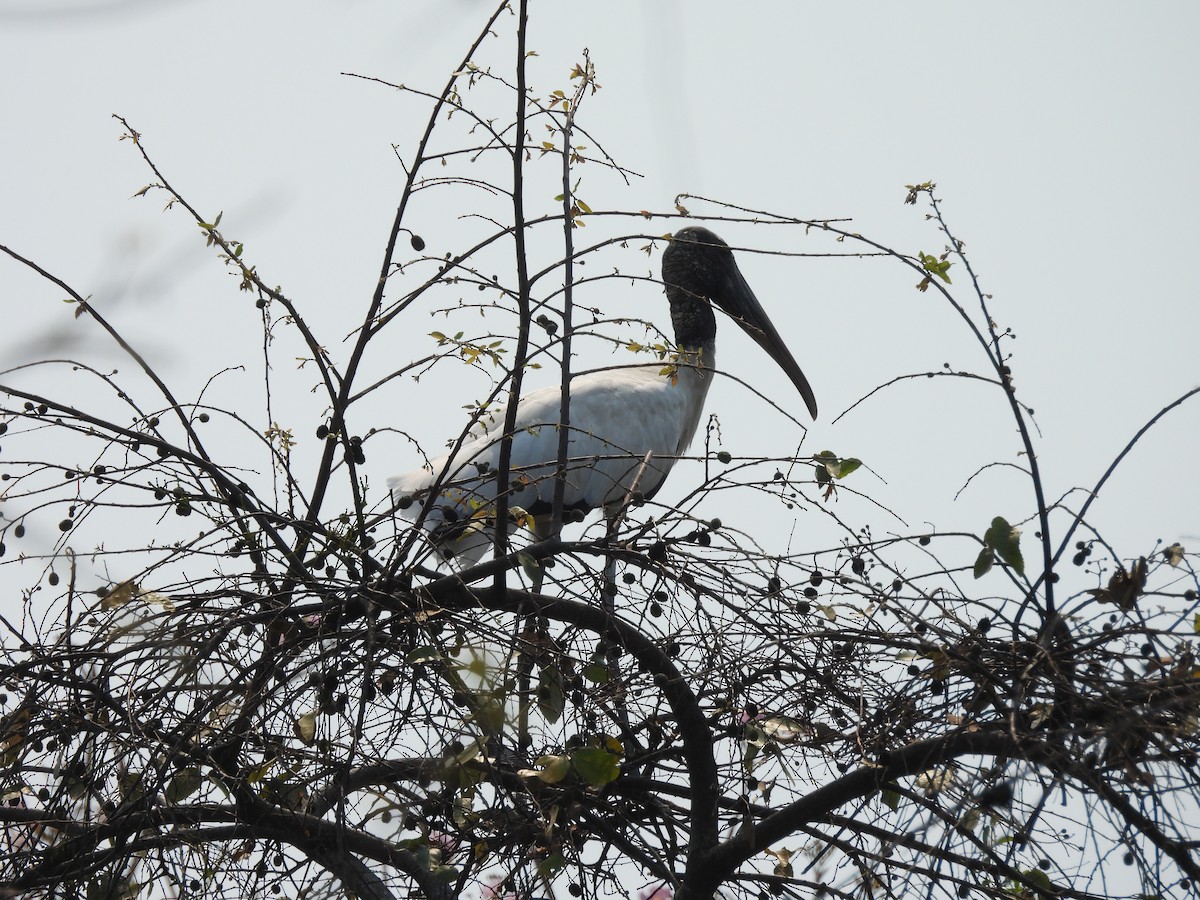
{"x": 1062, "y": 137}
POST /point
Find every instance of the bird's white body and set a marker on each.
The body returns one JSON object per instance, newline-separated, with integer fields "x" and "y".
{"x": 617, "y": 415}
{"x": 628, "y": 425}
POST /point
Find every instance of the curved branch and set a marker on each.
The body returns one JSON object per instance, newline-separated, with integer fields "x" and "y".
{"x": 315, "y": 837}
{"x": 719, "y": 864}
{"x": 694, "y": 730}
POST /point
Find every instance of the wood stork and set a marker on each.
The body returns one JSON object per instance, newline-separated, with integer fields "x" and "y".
{"x": 628, "y": 425}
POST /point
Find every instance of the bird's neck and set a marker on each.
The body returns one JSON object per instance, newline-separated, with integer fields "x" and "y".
{"x": 695, "y": 340}
{"x": 693, "y": 319}
{"x": 695, "y": 369}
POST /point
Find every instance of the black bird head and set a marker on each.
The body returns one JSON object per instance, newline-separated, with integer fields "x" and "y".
{"x": 699, "y": 266}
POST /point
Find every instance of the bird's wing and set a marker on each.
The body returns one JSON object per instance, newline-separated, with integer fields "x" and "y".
{"x": 617, "y": 417}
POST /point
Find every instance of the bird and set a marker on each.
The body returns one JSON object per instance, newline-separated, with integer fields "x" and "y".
{"x": 628, "y": 424}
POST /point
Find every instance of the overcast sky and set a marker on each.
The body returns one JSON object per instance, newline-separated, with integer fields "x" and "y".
{"x": 1062, "y": 137}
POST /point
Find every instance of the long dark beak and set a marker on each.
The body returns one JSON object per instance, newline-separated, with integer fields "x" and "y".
{"x": 745, "y": 309}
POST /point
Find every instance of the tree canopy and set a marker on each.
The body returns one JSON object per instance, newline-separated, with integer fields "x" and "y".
{"x": 233, "y": 671}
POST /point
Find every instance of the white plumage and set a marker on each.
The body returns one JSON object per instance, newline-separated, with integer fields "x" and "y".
{"x": 628, "y": 424}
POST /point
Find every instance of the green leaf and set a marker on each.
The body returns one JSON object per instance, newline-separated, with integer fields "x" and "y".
{"x": 749, "y": 756}
{"x": 596, "y": 673}
{"x": 422, "y": 654}
{"x": 983, "y": 562}
{"x": 490, "y": 715}
{"x": 846, "y": 466}
{"x": 890, "y": 797}
{"x": 550, "y": 697}
{"x": 185, "y": 783}
{"x": 935, "y": 266}
{"x": 108, "y": 886}
{"x": 595, "y": 766}
{"x": 554, "y": 768}
{"x": 1041, "y": 879}
{"x": 829, "y": 464}
{"x": 133, "y": 786}
{"x": 257, "y": 775}
{"x": 551, "y": 864}
{"x": 529, "y": 564}
{"x": 1004, "y": 539}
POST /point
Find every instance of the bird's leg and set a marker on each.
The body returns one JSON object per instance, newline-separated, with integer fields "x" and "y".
{"x": 608, "y": 591}
{"x": 525, "y": 626}
{"x": 526, "y": 630}
{"x": 610, "y": 651}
